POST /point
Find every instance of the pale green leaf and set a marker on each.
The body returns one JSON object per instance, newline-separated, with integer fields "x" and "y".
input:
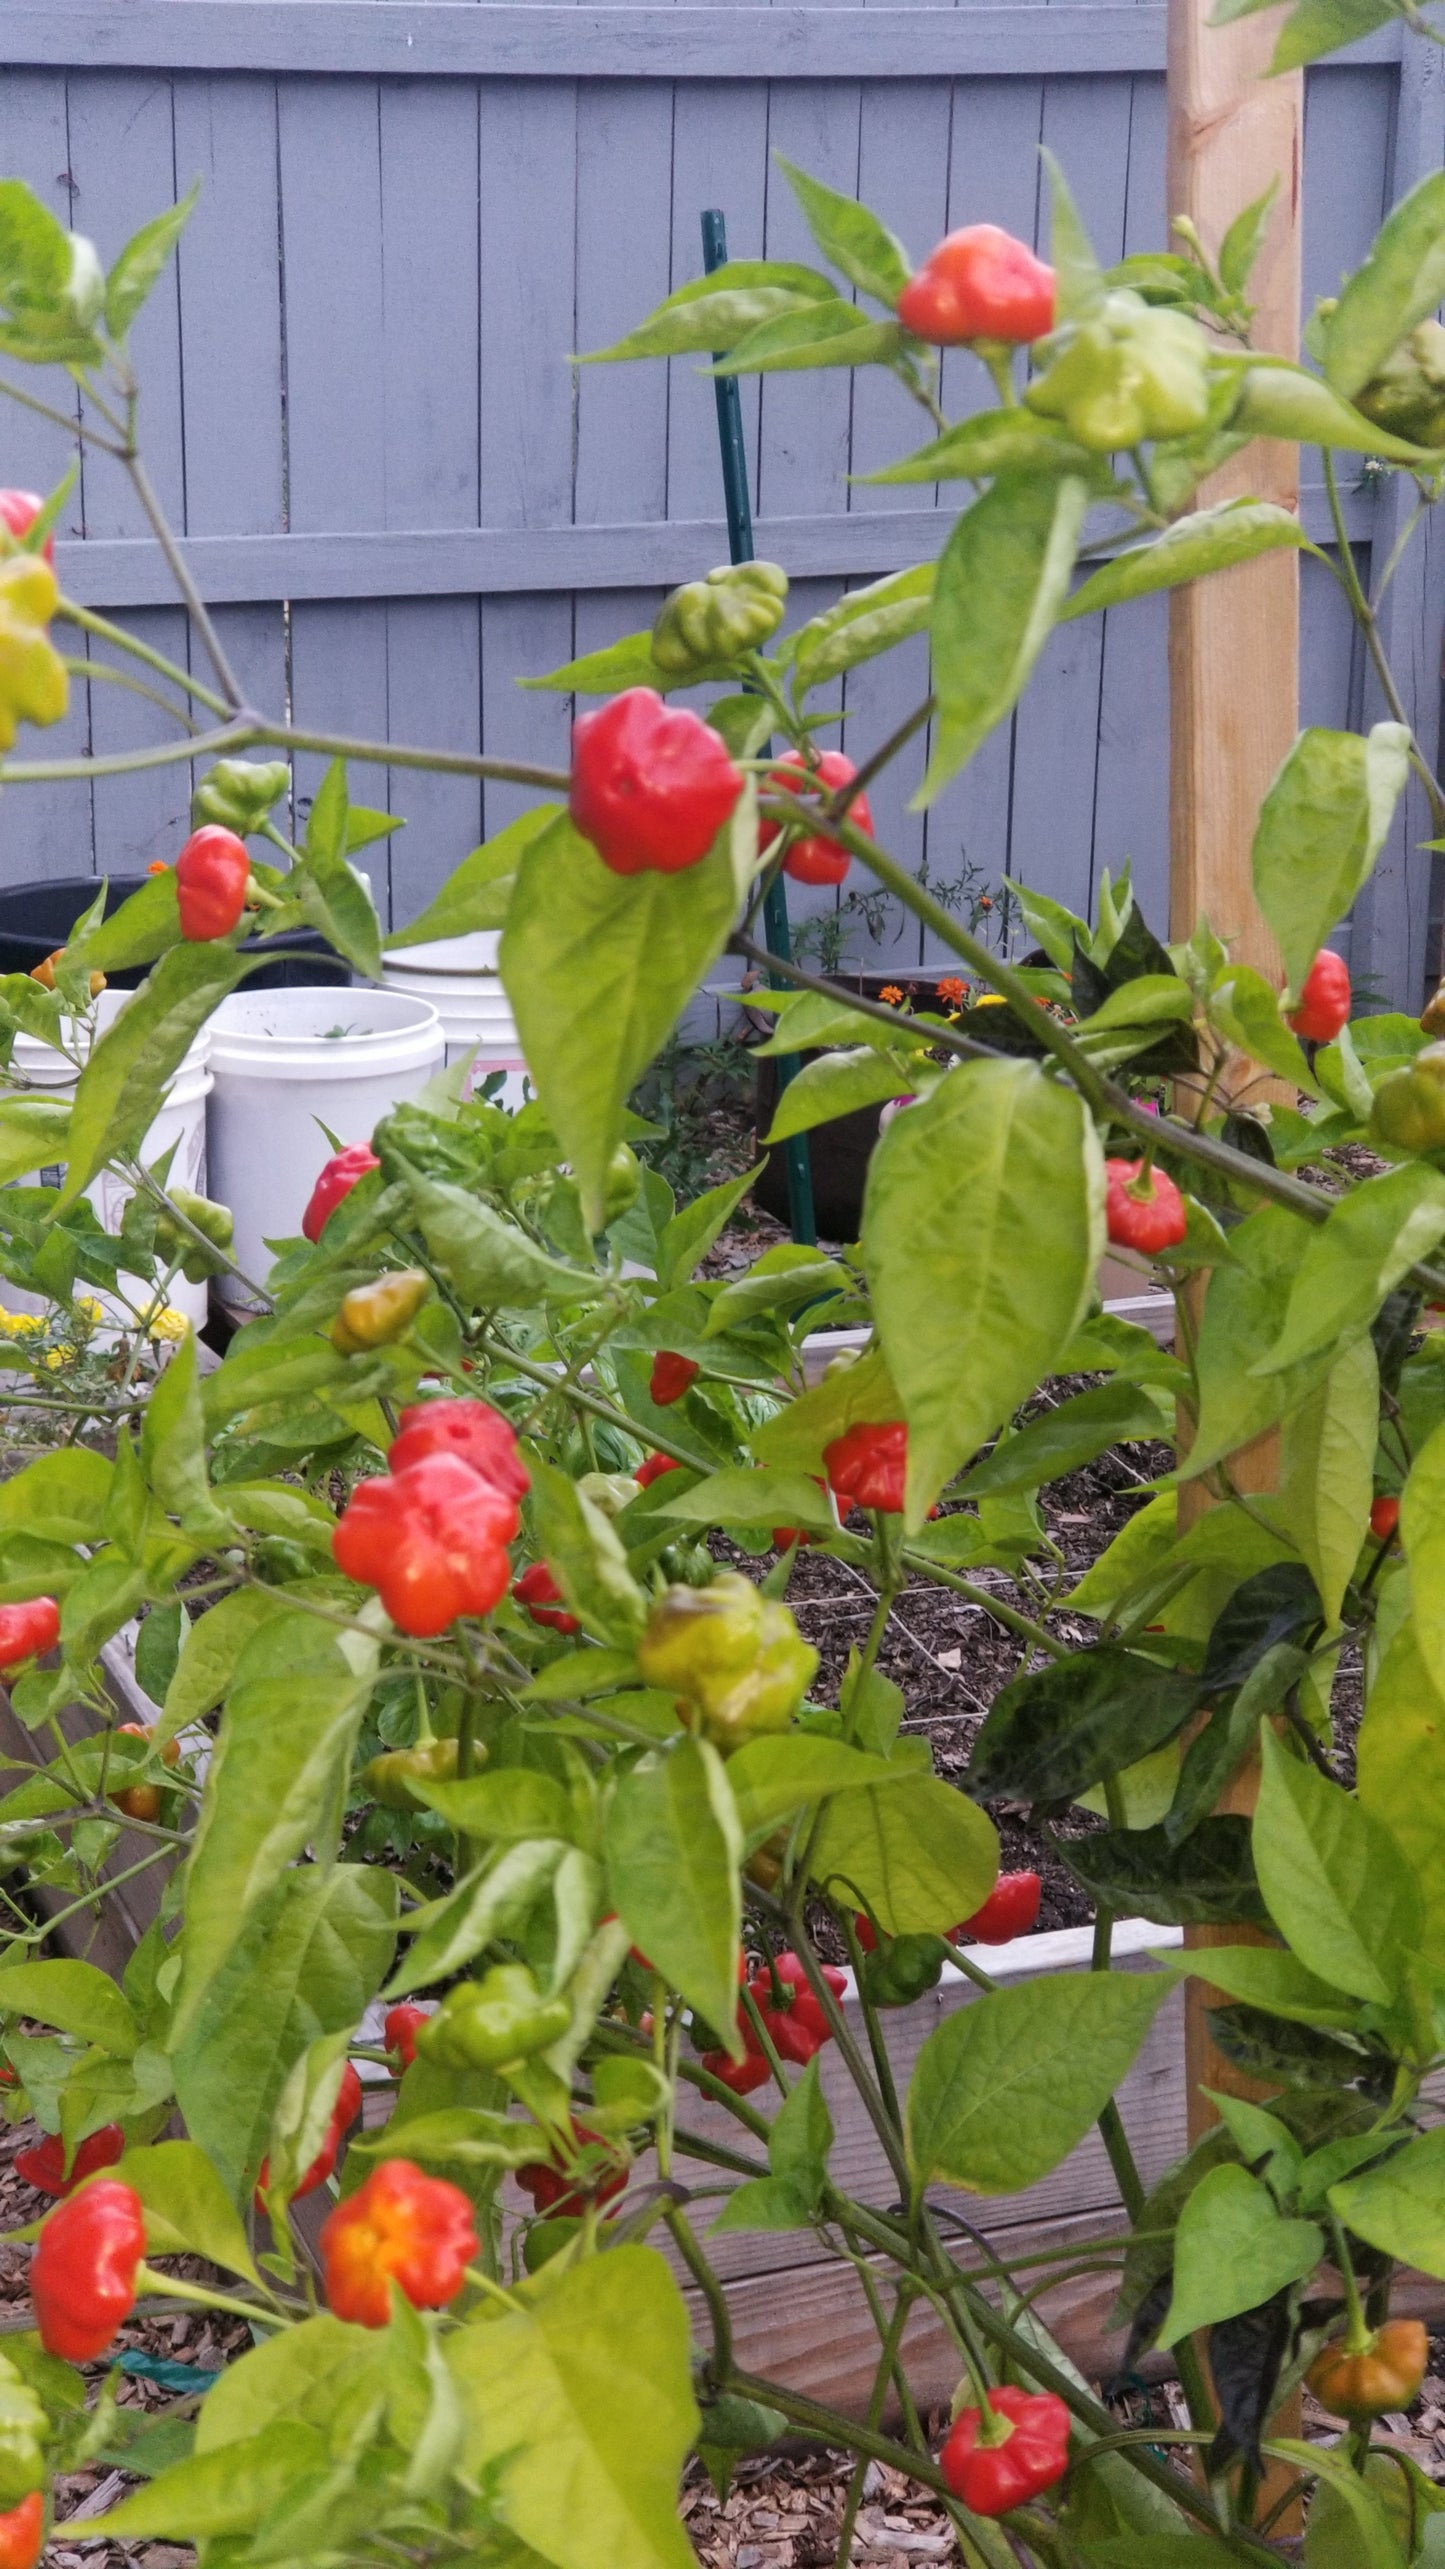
{"x": 1001, "y": 583}
{"x": 1004, "y": 2089}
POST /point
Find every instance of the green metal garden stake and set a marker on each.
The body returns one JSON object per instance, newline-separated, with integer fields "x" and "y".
{"x": 776, "y": 934}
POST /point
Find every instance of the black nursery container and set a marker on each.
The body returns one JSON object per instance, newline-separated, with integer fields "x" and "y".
{"x": 35, "y": 918}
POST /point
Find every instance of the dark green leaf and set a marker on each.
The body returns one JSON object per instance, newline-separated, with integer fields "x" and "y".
{"x": 1057, "y": 1730}
{"x": 1138, "y": 1873}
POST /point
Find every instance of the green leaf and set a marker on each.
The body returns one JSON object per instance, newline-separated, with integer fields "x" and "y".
{"x": 1063, "y": 1439}
{"x": 756, "y": 1498}
{"x": 865, "y": 622}
{"x": 998, "y": 1171}
{"x": 1059, "y": 1729}
{"x": 508, "y": 1803}
{"x": 712, "y": 312}
{"x": 1401, "y": 1758}
{"x": 582, "y": 2405}
{"x": 120, "y": 1090}
{"x": 637, "y": 945}
{"x": 485, "y": 1258}
{"x": 1326, "y": 1482}
{"x": 690, "y": 1233}
{"x": 34, "y": 1134}
{"x": 1209, "y": 1880}
{"x": 1400, "y": 2207}
{"x": 1244, "y": 240}
{"x": 1401, "y": 282}
{"x": 1233, "y": 2250}
{"x": 1005, "y": 2089}
{"x": 283, "y": 1751}
{"x": 142, "y": 260}
{"x": 302, "y": 2375}
{"x": 583, "y": 1548}
{"x": 143, "y": 928}
{"x": 1245, "y": 1009}
{"x": 771, "y": 1778}
{"x": 1261, "y": 1976}
{"x": 849, "y": 236}
{"x": 798, "y": 1434}
{"x": 799, "y": 2141}
{"x": 228, "y": 2492}
{"x": 837, "y": 1084}
{"x": 1371, "y": 1240}
{"x": 976, "y": 449}
{"x": 209, "y": 1654}
{"x": 332, "y": 895}
{"x": 1321, "y": 827}
{"x": 1350, "y": 2524}
{"x": 1080, "y": 283}
{"x": 173, "y": 1441}
{"x": 785, "y": 1278}
{"x": 477, "y": 894}
{"x": 1240, "y": 1326}
{"x": 1280, "y": 400}
{"x": 1422, "y": 1531}
{"x": 188, "y": 2211}
{"x": 62, "y": 1497}
{"x": 494, "y": 1901}
{"x": 673, "y": 1847}
{"x": 76, "y": 1999}
{"x": 917, "y": 1850}
{"x": 1000, "y": 585}
{"x": 1213, "y": 539}
{"x": 34, "y": 248}
{"x": 1332, "y": 1878}
{"x": 628, "y": 663}
{"x": 308, "y": 1963}
{"x": 821, "y": 334}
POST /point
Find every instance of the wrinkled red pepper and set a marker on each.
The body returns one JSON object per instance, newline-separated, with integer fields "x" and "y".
{"x": 1324, "y": 1004}
{"x": 212, "y": 872}
{"x": 564, "y": 2192}
{"x": 671, "y": 1377}
{"x": 651, "y": 785}
{"x": 653, "y": 1468}
{"x": 472, "y": 1431}
{"x": 343, "y": 2114}
{"x": 83, "y": 2274}
{"x": 401, "y": 2227}
{"x": 868, "y": 1466}
{"x": 538, "y": 1591}
{"x": 815, "y": 860}
{"x": 797, "y": 2026}
{"x": 1020, "y": 2450}
{"x": 1011, "y": 1909}
{"x": 1143, "y": 1211}
{"x": 335, "y": 1183}
{"x": 979, "y": 283}
{"x": 28, "y": 1629}
{"x": 399, "y": 2033}
{"x": 43, "y": 2164}
{"x": 432, "y": 1540}
{"x": 22, "y": 2532}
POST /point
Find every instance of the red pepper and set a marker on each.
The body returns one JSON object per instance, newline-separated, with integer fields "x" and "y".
{"x": 82, "y": 2276}
{"x": 741, "y": 2076}
{"x": 401, "y": 2228}
{"x": 651, "y": 786}
{"x": 868, "y": 1467}
{"x": 538, "y": 1591}
{"x": 1011, "y": 1909}
{"x": 43, "y": 2164}
{"x": 473, "y": 1431}
{"x": 335, "y": 1184}
{"x": 979, "y": 283}
{"x": 566, "y": 2192}
{"x": 866, "y": 1933}
{"x": 992, "y": 2477}
{"x": 431, "y": 1540}
{"x": 671, "y": 1377}
{"x": 212, "y": 872}
{"x": 343, "y": 2114}
{"x": 18, "y": 512}
{"x": 400, "y": 2031}
{"x": 1384, "y": 1517}
{"x": 27, "y": 1630}
{"x": 798, "y": 2026}
{"x": 784, "y": 1536}
{"x": 815, "y": 860}
{"x": 1324, "y": 1004}
{"x": 653, "y": 1469}
{"x": 22, "y": 2528}
{"x": 1142, "y": 1212}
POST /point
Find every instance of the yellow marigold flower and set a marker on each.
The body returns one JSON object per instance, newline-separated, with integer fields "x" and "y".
{"x": 89, "y": 1309}
{"x": 20, "y": 1324}
{"x": 169, "y": 1325}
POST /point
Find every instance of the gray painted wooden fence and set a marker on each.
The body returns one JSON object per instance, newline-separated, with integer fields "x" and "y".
{"x": 400, "y": 497}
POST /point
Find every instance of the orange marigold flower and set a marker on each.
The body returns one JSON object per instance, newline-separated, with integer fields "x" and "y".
{"x": 891, "y": 995}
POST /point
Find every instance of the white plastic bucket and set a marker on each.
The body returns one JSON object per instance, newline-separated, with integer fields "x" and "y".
{"x": 458, "y": 975}
{"x": 180, "y": 1127}
{"x": 285, "y": 1063}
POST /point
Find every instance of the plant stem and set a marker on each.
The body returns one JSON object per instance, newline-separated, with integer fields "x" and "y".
{"x": 179, "y": 569}
{"x": 887, "y": 2354}
{"x": 835, "y": 2429}
{"x": 685, "y": 2240}
{"x": 85, "y": 618}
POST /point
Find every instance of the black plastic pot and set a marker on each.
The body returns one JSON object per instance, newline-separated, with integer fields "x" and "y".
{"x": 35, "y": 918}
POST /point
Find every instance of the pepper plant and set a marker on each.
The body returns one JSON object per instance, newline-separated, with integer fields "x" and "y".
{"x": 465, "y": 1715}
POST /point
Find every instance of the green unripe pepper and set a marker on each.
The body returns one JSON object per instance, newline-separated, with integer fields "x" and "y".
{"x": 901, "y": 1969}
{"x": 238, "y": 793}
{"x": 733, "y": 610}
{"x": 495, "y": 2023}
{"x": 389, "y": 1778}
{"x": 623, "y": 1184}
{"x": 1409, "y": 1108}
{"x": 1131, "y": 372}
{"x": 1407, "y": 396}
{"x": 215, "y": 1221}
{"x": 735, "y": 1660}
